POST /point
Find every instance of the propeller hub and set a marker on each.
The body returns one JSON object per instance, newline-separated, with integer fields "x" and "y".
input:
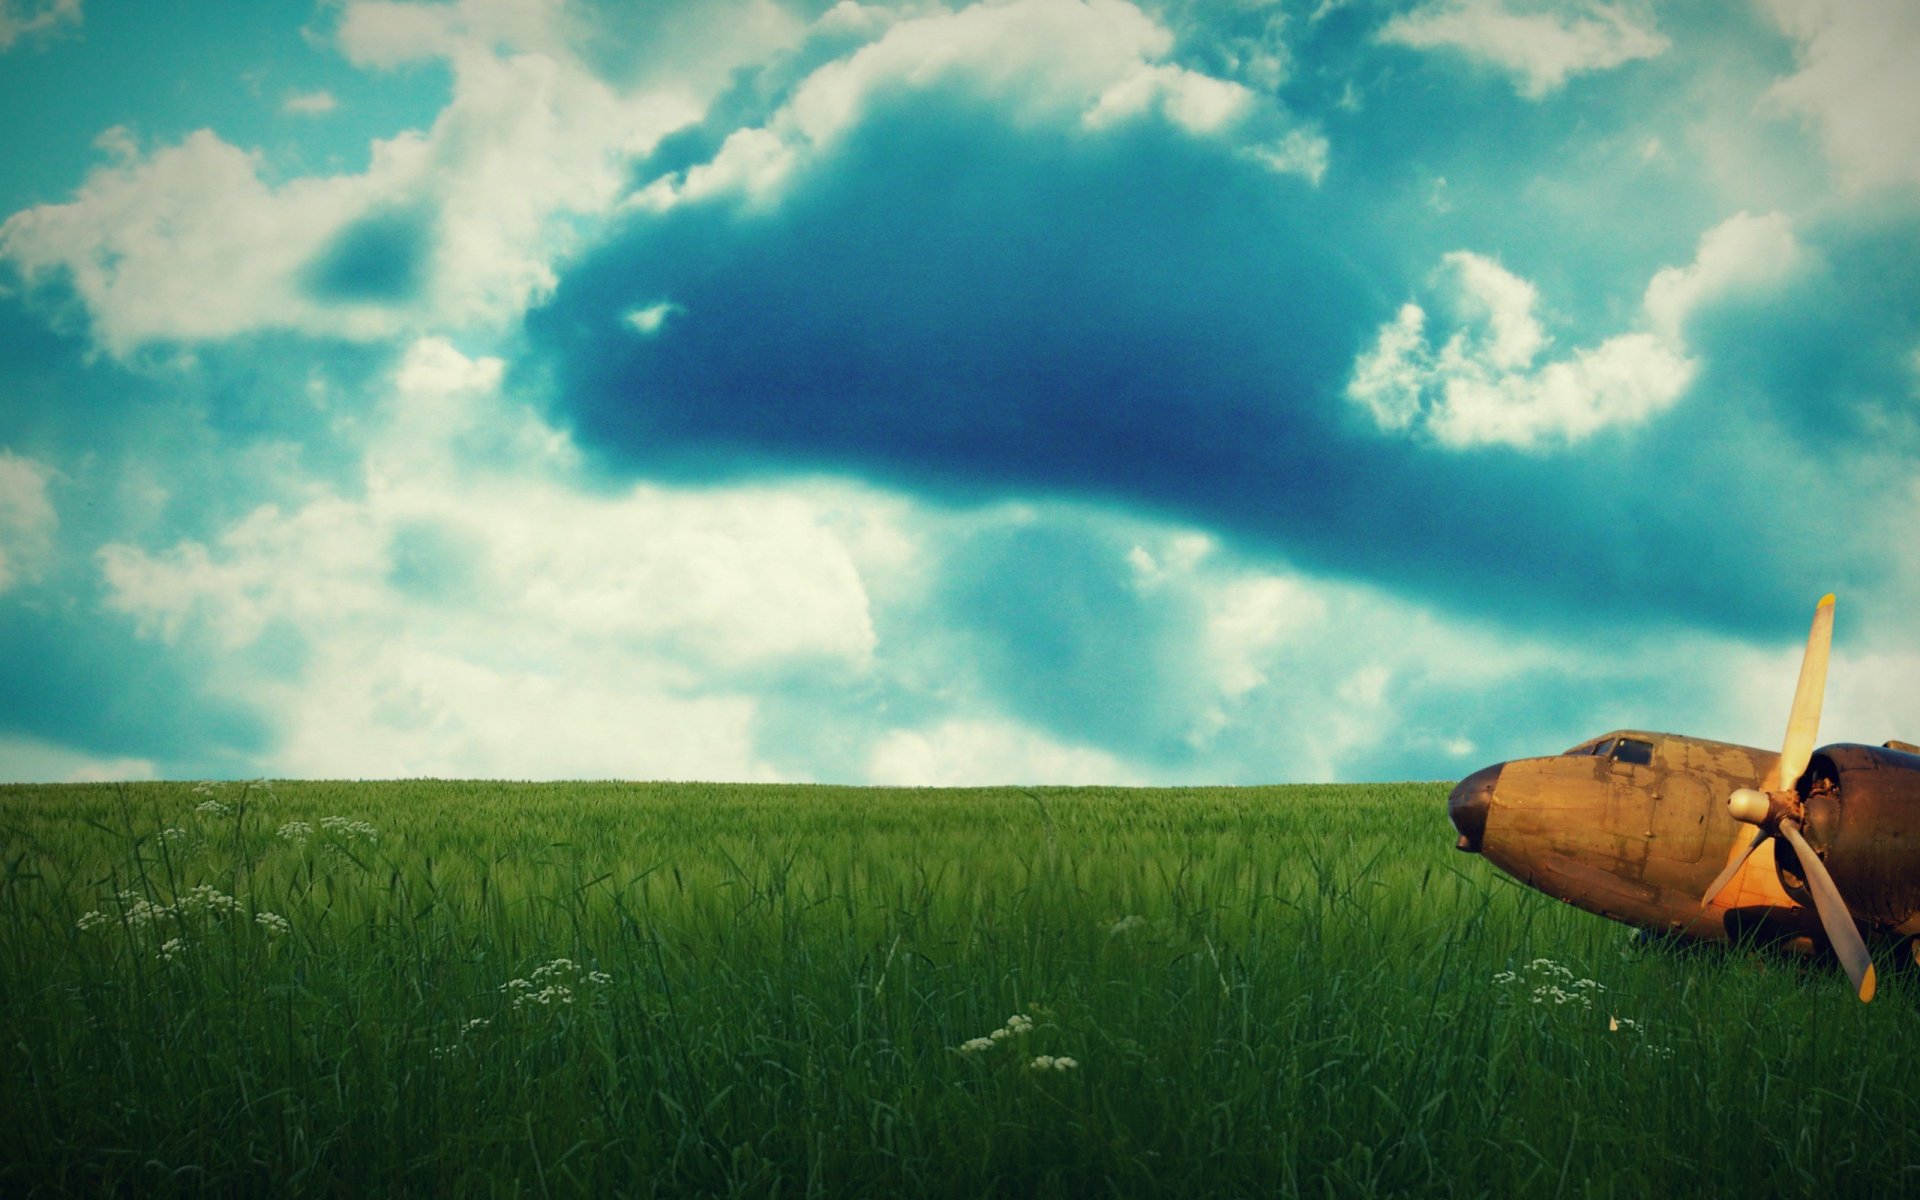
{"x": 1750, "y": 806}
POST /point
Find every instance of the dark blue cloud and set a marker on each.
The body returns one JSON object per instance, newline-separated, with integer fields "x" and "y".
{"x": 963, "y": 308}
{"x": 381, "y": 258}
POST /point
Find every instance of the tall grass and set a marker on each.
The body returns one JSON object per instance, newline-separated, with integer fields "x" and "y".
{"x": 609, "y": 989}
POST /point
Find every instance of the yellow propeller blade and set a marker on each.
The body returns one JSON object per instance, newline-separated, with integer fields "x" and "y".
{"x": 1803, "y": 722}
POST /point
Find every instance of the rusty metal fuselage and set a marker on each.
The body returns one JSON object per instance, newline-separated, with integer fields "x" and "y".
{"x": 1634, "y": 826}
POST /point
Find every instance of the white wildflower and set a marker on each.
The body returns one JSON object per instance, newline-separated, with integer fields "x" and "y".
{"x": 350, "y": 829}
{"x": 172, "y": 948}
{"x": 275, "y": 924}
{"x": 172, "y": 833}
{"x": 296, "y": 831}
{"x": 1047, "y": 1062}
{"x": 553, "y": 993}
{"x": 212, "y": 808}
{"x": 599, "y": 977}
{"x": 93, "y": 920}
{"x": 477, "y": 1023}
{"x": 207, "y": 898}
{"x": 1017, "y": 1024}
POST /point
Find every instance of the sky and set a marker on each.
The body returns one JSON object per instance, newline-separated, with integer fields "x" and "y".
{"x": 1024, "y": 391}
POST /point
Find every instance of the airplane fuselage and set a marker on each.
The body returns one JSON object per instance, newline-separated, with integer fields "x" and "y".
{"x": 1639, "y": 830}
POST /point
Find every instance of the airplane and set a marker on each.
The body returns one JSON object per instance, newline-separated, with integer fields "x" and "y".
{"x": 1706, "y": 840}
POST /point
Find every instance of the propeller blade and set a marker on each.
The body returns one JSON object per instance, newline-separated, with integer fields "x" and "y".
{"x": 1733, "y": 868}
{"x": 1834, "y": 917}
{"x": 1803, "y": 723}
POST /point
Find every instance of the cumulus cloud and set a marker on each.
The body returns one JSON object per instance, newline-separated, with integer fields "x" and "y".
{"x": 27, "y": 18}
{"x": 1542, "y": 46}
{"x": 471, "y": 605}
{"x": 1855, "y": 83}
{"x": 1095, "y": 62}
{"x": 457, "y": 226}
{"x": 513, "y": 622}
{"x": 27, "y": 519}
{"x": 1486, "y": 384}
{"x": 964, "y": 753}
{"x": 30, "y": 760}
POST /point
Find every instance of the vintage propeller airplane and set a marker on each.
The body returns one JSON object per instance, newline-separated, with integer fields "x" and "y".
{"x": 1714, "y": 841}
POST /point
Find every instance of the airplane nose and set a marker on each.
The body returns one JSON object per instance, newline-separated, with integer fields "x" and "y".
{"x": 1467, "y": 805}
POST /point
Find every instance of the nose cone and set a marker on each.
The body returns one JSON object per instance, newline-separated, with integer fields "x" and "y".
{"x": 1467, "y": 805}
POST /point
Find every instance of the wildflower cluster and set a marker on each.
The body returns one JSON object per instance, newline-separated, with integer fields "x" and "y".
{"x": 468, "y": 1030}
{"x": 1551, "y": 983}
{"x": 1017, "y": 1024}
{"x": 211, "y": 804}
{"x": 1048, "y": 1062}
{"x": 349, "y": 830}
{"x": 296, "y": 832}
{"x": 554, "y": 983}
{"x": 140, "y": 914}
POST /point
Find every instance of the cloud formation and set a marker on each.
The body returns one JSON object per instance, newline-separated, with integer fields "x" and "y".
{"x": 1011, "y": 56}
{"x": 1485, "y": 385}
{"x": 27, "y": 518}
{"x": 196, "y": 240}
{"x": 1541, "y": 45}
{"x": 1855, "y": 83}
{"x": 1058, "y": 390}
{"x": 29, "y": 18}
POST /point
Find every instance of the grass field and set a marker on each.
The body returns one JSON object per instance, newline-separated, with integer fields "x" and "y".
{"x": 605, "y": 989}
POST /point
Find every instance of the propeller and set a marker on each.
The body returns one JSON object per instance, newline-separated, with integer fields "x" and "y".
{"x": 1775, "y": 808}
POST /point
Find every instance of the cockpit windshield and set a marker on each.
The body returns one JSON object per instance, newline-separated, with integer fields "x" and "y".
{"x": 1637, "y": 751}
{"x": 1633, "y": 750}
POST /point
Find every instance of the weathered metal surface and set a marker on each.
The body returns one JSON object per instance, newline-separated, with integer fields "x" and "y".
{"x": 1640, "y": 843}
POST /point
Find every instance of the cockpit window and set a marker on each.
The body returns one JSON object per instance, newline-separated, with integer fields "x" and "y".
{"x": 1632, "y": 750}
{"x": 1603, "y": 749}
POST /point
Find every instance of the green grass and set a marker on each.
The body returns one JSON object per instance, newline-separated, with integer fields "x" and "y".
{"x": 1268, "y": 992}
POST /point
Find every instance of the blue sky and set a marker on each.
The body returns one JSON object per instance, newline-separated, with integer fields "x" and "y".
{"x": 1050, "y": 391}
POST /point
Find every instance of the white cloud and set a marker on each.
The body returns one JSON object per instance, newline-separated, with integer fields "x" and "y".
{"x": 512, "y": 622}
{"x": 1855, "y": 83}
{"x": 965, "y": 753}
{"x": 1095, "y": 62}
{"x": 310, "y": 104}
{"x": 29, "y": 760}
{"x": 1742, "y": 253}
{"x": 1486, "y": 384}
{"x": 649, "y": 320}
{"x": 26, "y": 18}
{"x": 192, "y": 241}
{"x": 27, "y": 519}
{"x": 1541, "y": 45}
